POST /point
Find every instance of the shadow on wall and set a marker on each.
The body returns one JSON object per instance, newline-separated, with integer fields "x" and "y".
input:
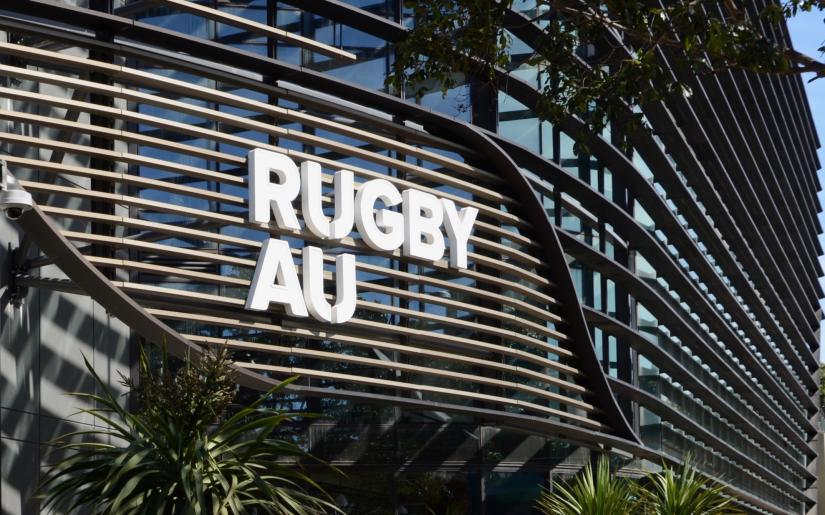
{"x": 42, "y": 343}
{"x": 8, "y": 238}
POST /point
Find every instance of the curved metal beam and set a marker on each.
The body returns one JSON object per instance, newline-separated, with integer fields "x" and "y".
{"x": 545, "y": 234}
{"x": 42, "y": 231}
{"x": 88, "y": 278}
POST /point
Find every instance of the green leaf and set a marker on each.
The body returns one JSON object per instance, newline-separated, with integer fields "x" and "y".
{"x": 180, "y": 453}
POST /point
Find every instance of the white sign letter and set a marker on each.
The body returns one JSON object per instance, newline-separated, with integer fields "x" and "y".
{"x": 459, "y": 226}
{"x": 314, "y": 296}
{"x": 312, "y": 203}
{"x": 275, "y": 264}
{"x": 423, "y": 215}
{"x": 370, "y": 224}
{"x": 263, "y": 195}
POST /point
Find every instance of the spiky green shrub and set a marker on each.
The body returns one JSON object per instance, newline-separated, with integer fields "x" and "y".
{"x": 601, "y": 493}
{"x": 182, "y": 453}
{"x": 684, "y": 493}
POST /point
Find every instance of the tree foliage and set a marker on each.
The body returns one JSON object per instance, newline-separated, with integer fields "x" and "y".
{"x": 598, "y": 60}
{"x": 183, "y": 452}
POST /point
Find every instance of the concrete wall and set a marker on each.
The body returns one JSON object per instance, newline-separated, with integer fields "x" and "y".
{"x": 43, "y": 341}
{"x": 42, "y": 344}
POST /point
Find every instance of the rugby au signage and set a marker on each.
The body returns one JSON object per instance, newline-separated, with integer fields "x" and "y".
{"x": 416, "y": 229}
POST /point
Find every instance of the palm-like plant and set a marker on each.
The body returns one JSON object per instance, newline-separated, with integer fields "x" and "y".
{"x": 589, "y": 494}
{"x": 180, "y": 454}
{"x": 684, "y": 493}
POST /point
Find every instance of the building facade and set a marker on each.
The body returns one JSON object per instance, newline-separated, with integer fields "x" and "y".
{"x": 650, "y": 303}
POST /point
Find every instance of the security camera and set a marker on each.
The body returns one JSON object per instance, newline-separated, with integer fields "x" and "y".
{"x": 14, "y": 213}
{"x": 14, "y": 200}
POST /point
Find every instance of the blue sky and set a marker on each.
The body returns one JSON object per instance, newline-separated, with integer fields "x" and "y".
{"x": 808, "y": 33}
